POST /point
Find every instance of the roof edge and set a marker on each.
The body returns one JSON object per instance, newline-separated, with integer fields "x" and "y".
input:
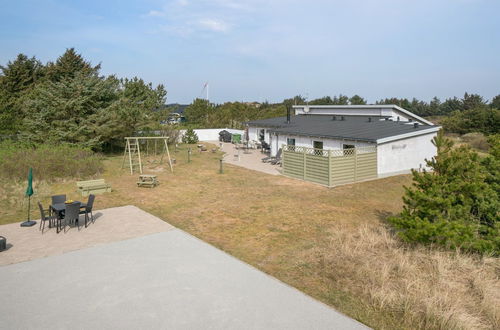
{"x": 407, "y": 135}
{"x": 365, "y": 106}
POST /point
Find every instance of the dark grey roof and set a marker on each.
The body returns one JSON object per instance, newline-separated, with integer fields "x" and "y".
{"x": 351, "y": 128}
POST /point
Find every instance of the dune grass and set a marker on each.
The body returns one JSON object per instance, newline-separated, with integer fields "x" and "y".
{"x": 332, "y": 244}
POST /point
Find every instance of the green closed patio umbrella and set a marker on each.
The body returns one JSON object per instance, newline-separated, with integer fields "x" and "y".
{"x": 29, "y": 192}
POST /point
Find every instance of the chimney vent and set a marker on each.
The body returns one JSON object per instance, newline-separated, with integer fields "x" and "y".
{"x": 415, "y": 125}
{"x": 334, "y": 118}
{"x": 342, "y": 118}
{"x": 369, "y": 119}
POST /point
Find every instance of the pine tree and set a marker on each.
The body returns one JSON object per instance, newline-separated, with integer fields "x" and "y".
{"x": 454, "y": 205}
{"x": 190, "y": 136}
{"x": 69, "y": 65}
{"x": 17, "y": 78}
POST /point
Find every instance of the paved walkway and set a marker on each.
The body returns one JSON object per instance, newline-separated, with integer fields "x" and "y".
{"x": 164, "y": 280}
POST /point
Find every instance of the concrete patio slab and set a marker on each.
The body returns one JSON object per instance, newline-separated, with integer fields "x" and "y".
{"x": 251, "y": 159}
{"x": 167, "y": 280}
{"x": 113, "y": 224}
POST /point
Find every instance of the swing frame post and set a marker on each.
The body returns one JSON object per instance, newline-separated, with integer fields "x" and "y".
{"x": 136, "y": 153}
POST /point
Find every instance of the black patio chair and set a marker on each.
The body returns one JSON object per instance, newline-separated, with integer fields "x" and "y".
{"x": 71, "y": 216}
{"x": 273, "y": 159}
{"x": 265, "y": 146}
{"x": 57, "y": 199}
{"x": 51, "y": 219}
{"x": 88, "y": 209}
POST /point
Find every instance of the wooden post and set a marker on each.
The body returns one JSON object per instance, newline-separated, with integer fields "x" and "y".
{"x": 124, "y": 154}
{"x": 130, "y": 157}
{"x": 304, "y": 160}
{"x": 139, "y": 155}
{"x": 189, "y": 155}
{"x": 221, "y": 170}
{"x": 168, "y": 155}
{"x": 329, "y": 168}
{"x": 355, "y": 150}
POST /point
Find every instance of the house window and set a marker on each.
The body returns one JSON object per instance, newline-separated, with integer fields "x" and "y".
{"x": 318, "y": 146}
{"x": 348, "y": 149}
{"x": 291, "y": 144}
{"x": 262, "y": 132}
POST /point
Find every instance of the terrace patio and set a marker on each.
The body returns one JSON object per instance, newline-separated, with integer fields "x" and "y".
{"x": 131, "y": 269}
{"x": 250, "y": 159}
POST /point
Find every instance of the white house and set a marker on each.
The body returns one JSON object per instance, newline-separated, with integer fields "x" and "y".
{"x": 402, "y": 139}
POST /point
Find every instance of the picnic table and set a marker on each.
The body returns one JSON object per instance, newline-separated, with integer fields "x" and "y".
{"x": 147, "y": 180}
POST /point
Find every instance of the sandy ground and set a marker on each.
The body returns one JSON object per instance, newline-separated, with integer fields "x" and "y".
{"x": 250, "y": 159}
{"x": 113, "y": 224}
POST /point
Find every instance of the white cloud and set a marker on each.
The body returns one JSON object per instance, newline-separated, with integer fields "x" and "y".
{"x": 213, "y": 25}
{"x": 156, "y": 13}
{"x": 182, "y": 2}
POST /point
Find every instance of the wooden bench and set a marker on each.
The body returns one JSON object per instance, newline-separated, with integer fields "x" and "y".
{"x": 93, "y": 187}
{"x": 147, "y": 180}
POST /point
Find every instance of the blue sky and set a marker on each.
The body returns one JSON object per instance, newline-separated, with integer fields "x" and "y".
{"x": 260, "y": 50}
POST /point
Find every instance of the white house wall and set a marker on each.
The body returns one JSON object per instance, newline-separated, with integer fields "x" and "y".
{"x": 303, "y": 141}
{"x": 401, "y": 156}
{"x": 253, "y": 133}
{"x": 391, "y": 112}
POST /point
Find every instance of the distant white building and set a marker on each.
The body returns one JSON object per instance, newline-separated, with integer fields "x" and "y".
{"x": 402, "y": 139}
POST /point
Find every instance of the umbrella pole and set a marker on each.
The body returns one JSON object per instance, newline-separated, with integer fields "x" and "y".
{"x": 28, "y": 223}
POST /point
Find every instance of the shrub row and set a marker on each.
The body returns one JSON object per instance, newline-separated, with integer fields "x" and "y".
{"x": 49, "y": 162}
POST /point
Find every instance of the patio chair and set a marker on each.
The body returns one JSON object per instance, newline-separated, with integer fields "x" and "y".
{"x": 265, "y": 146}
{"x": 88, "y": 209}
{"x": 277, "y": 159}
{"x": 57, "y": 199}
{"x": 71, "y": 216}
{"x": 44, "y": 218}
{"x": 271, "y": 159}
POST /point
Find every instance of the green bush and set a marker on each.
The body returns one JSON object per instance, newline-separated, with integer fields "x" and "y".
{"x": 190, "y": 136}
{"x": 457, "y": 204}
{"x": 49, "y": 162}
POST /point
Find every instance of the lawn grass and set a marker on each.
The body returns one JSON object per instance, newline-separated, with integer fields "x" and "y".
{"x": 329, "y": 243}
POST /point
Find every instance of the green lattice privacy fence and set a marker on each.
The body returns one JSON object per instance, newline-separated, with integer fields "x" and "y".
{"x": 330, "y": 167}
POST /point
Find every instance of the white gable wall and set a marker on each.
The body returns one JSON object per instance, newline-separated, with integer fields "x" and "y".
{"x": 401, "y": 156}
{"x": 354, "y": 111}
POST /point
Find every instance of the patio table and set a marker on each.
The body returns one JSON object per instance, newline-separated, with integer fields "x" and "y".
{"x": 59, "y": 208}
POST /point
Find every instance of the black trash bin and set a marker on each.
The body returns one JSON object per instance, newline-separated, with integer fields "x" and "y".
{"x": 3, "y": 243}
{"x": 225, "y": 136}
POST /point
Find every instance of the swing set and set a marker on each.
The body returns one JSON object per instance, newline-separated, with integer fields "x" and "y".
{"x": 133, "y": 147}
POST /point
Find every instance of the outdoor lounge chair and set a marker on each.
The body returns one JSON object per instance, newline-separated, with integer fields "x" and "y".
{"x": 277, "y": 159}
{"x": 43, "y": 218}
{"x": 271, "y": 159}
{"x": 88, "y": 209}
